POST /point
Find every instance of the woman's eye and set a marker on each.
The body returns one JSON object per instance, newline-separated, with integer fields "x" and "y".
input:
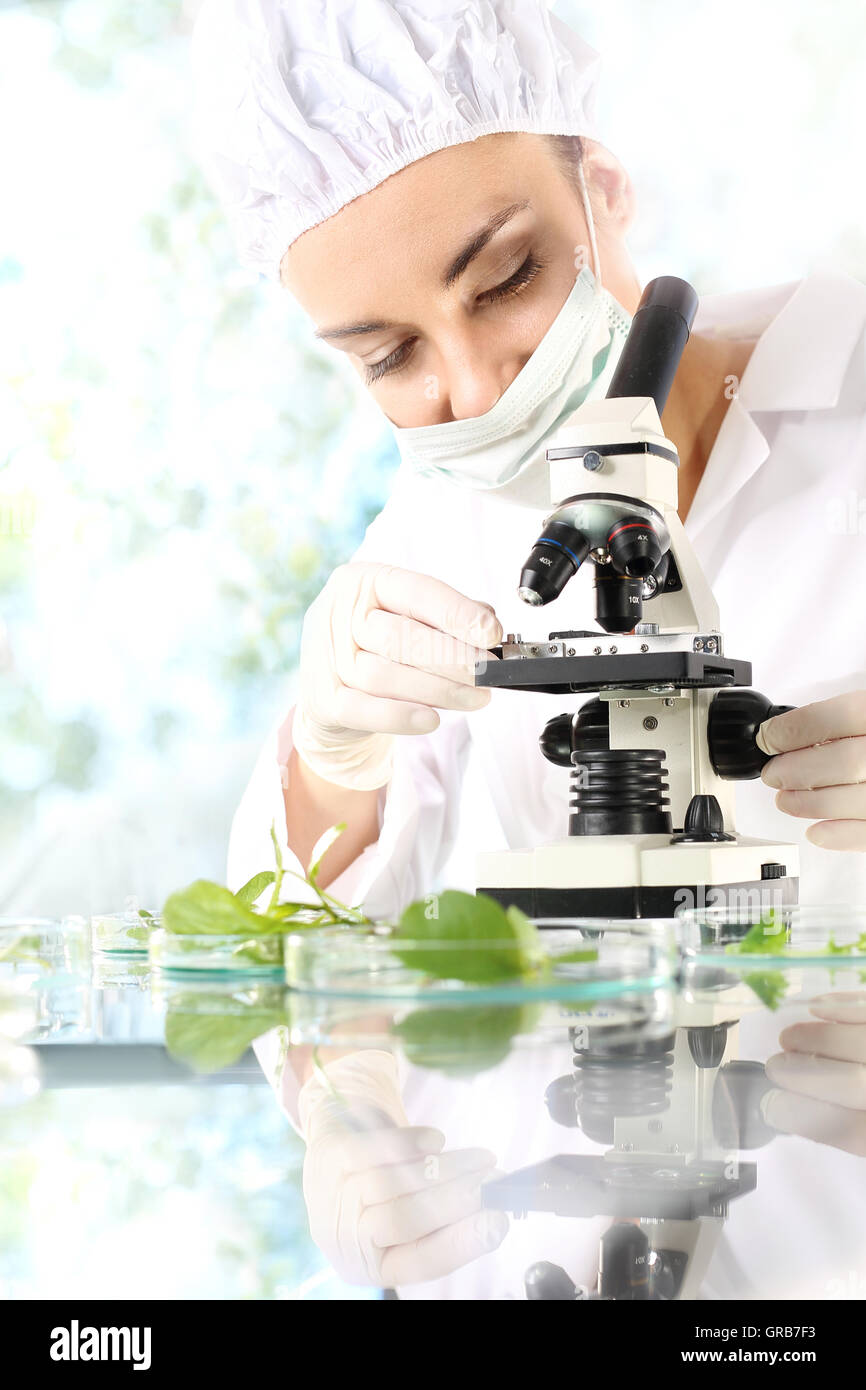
{"x": 523, "y": 276}
{"x": 374, "y": 371}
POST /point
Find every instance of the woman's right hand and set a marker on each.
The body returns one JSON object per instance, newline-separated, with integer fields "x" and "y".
{"x": 382, "y": 650}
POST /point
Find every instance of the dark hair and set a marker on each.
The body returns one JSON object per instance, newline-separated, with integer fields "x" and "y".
{"x": 569, "y": 151}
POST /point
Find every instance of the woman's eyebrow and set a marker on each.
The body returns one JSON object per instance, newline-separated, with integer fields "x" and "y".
{"x": 476, "y": 244}
{"x": 473, "y": 248}
{"x": 354, "y": 330}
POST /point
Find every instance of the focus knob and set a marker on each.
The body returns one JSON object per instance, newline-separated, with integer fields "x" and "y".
{"x": 548, "y": 1281}
{"x": 555, "y": 740}
{"x": 703, "y": 822}
{"x": 732, "y": 726}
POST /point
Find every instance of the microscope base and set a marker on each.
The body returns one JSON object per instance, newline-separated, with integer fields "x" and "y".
{"x": 639, "y": 876}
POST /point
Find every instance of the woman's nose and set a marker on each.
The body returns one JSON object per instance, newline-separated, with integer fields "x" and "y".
{"x": 476, "y": 381}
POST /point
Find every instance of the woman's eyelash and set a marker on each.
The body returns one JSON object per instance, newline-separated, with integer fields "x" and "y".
{"x": 524, "y": 275}
{"x": 392, "y": 363}
{"x": 516, "y": 282}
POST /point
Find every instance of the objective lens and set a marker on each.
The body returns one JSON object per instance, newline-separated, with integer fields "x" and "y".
{"x": 557, "y": 555}
{"x": 618, "y": 600}
{"x": 634, "y": 547}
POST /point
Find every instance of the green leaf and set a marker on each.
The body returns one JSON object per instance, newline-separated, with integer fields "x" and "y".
{"x": 207, "y": 1042}
{"x": 767, "y": 937}
{"x": 577, "y": 957}
{"x": 254, "y": 887}
{"x": 143, "y": 912}
{"x": 769, "y": 985}
{"x": 321, "y": 847}
{"x": 469, "y": 921}
{"x": 286, "y": 910}
{"x": 209, "y": 908}
{"x": 857, "y": 947}
{"x": 278, "y": 876}
{"x": 139, "y": 933}
{"x": 278, "y": 853}
{"x": 462, "y": 1040}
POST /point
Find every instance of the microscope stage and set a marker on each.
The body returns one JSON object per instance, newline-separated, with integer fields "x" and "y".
{"x": 572, "y": 675}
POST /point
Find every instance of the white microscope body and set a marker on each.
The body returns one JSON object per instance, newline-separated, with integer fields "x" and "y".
{"x": 638, "y": 845}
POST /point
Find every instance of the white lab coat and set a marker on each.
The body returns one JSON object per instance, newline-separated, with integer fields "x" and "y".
{"x": 779, "y": 526}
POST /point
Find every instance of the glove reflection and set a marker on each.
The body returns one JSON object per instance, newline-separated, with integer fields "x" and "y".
{"x": 821, "y": 1073}
{"x": 387, "y": 1204}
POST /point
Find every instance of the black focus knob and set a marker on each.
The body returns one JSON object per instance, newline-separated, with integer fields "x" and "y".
{"x": 703, "y": 822}
{"x": 548, "y": 1281}
{"x": 634, "y": 547}
{"x": 732, "y": 726}
{"x": 738, "y": 1118}
{"x": 555, "y": 740}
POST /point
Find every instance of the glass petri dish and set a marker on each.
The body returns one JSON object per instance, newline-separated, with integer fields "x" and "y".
{"x": 454, "y": 1033}
{"x": 770, "y": 957}
{"x": 48, "y": 960}
{"x": 209, "y": 1022}
{"x": 789, "y": 935}
{"x": 216, "y": 954}
{"x": 576, "y": 958}
{"x": 124, "y": 932}
{"x": 39, "y": 946}
{"x": 121, "y": 970}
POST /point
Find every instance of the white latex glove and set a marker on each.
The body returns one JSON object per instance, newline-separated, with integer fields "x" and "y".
{"x": 819, "y": 767}
{"x": 382, "y": 649}
{"x": 821, "y": 1074}
{"x": 386, "y": 1205}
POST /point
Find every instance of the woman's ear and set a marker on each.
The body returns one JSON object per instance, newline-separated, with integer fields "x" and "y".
{"x": 610, "y": 189}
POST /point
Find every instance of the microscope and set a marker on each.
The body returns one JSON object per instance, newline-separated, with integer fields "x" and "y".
{"x": 677, "y": 1108}
{"x": 654, "y": 754}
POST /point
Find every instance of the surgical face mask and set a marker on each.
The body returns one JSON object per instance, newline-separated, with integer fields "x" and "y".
{"x": 574, "y": 362}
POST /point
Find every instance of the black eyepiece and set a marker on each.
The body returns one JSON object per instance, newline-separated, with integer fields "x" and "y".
{"x": 659, "y": 332}
{"x": 557, "y": 555}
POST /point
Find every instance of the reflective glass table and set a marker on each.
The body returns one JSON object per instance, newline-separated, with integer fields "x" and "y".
{"x": 664, "y": 1122}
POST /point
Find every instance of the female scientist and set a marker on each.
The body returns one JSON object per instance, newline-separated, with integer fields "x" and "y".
{"x": 424, "y": 177}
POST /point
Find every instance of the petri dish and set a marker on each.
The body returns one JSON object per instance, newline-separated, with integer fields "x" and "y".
{"x": 770, "y": 957}
{"x": 38, "y": 946}
{"x": 121, "y": 970}
{"x": 217, "y": 953}
{"x": 457, "y": 1035}
{"x": 575, "y": 958}
{"x": 124, "y": 932}
{"x": 789, "y": 935}
{"x": 210, "y": 1021}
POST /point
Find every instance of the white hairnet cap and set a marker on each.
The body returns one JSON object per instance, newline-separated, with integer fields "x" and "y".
{"x": 303, "y": 105}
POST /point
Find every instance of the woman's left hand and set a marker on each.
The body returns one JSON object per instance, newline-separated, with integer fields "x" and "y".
{"x": 821, "y": 1075}
{"x": 819, "y": 767}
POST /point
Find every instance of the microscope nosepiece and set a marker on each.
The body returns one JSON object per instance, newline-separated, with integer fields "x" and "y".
{"x": 557, "y": 555}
